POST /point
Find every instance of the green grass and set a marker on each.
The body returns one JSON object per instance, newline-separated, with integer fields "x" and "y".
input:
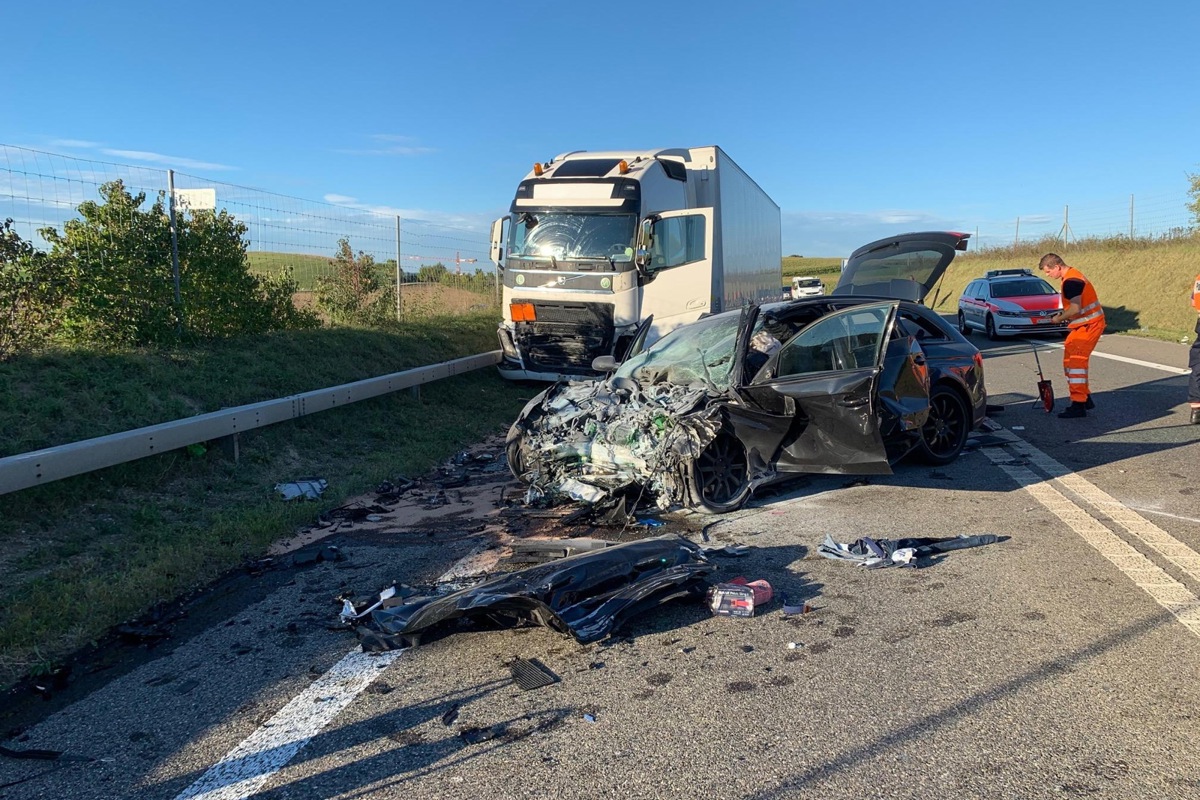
{"x": 83, "y": 554}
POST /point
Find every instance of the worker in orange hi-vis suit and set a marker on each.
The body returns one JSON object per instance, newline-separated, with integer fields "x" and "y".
{"x": 1085, "y": 318}
{"x": 1194, "y": 359}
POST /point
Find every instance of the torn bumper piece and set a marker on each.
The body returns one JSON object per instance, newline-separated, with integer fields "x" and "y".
{"x": 587, "y": 595}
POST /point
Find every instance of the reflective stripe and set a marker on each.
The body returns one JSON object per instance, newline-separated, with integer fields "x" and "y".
{"x": 1077, "y": 380}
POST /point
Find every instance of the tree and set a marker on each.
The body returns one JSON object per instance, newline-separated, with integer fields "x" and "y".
{"x": 120, "y": 280}
{"x": 352, "y": 293}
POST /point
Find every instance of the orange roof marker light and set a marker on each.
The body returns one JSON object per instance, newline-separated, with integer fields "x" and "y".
{"x": 522, "y": 312}
{"x": 623, "y": 167}
{"x": 537, "y": 168}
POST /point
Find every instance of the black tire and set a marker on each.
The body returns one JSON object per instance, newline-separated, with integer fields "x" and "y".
{"x": 514, "y": 451}
{"x": 989, "y": 327}
{"x": 963, "y": 327}
{"x": 720, "y": 476}
{"x": 945, "y": 432}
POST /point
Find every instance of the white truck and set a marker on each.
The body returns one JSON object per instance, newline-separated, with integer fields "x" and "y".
{"x": 597, "y": 242}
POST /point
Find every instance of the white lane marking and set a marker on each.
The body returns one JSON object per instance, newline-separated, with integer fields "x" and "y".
{"x": 1152, "y": 579}
{"x": 1155, "y": 511}
{"x": 1127, "y": 360}
{"x": 246, "y": 768}
{"x": 1159, "y": 540}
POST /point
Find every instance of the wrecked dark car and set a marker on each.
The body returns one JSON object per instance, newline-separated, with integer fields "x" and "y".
{"x": 588, "y": 595}
{"x": 847, "y": 383}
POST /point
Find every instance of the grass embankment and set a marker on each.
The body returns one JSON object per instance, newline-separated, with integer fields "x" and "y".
{"x": 82, "y": 554}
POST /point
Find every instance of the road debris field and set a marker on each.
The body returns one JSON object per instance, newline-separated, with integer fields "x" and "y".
{"x": 1026, "y": 665}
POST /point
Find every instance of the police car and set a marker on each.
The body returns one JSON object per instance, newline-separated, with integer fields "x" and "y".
{"x": 1006, "y": 302}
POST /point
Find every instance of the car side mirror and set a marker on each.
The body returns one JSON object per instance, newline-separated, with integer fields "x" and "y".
{"x": 605, "y": 364}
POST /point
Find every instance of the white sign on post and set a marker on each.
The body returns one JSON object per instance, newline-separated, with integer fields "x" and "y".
{"x": 196, "y": 199}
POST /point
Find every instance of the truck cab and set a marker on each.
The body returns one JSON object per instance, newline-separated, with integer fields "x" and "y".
{"x": 595, "y": 242}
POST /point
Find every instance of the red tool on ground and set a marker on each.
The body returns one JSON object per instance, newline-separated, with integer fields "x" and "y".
{"x": 1044, "y": 388}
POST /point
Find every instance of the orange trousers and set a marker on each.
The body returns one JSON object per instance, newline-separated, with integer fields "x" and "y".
{"x": 1077, "y": 349}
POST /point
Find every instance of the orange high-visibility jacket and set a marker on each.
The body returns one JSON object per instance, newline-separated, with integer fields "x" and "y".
{"x": 1089, "y": 304}
{"x": 1196, "y": 295}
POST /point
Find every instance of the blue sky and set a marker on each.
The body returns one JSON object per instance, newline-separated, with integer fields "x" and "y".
{"x": 860, "y": 119}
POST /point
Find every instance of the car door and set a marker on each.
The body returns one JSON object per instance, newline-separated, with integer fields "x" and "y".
{"x": 904, "y": 267}
{"x": 972, "y": 303}
{"x": 812, "y": 407}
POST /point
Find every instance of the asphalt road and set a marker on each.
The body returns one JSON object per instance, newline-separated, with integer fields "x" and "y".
{"x": 1060, "y": 662}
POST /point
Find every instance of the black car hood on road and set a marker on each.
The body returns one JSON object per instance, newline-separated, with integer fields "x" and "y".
{"x": 586, "y": 595}
{"x": 904, "y": 267}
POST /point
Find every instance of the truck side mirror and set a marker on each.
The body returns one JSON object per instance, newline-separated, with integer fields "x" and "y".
{"x": 605, "y": 364}
{"x": 644, "y": 239}
{"x": 498, "y": 241}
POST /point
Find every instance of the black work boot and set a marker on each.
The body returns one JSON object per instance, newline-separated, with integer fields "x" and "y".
{"x": 1076, "y": 409}
{"x": 1088, "y": 404}
{"x": 1196, "y": 415}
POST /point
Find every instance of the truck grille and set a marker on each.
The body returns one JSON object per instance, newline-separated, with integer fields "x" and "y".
{"x": 566, "y": 336}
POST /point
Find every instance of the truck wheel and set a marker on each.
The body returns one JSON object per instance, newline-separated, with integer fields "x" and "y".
{"x": 963, "y": 327}
{"x": 719, "y": 477}
{"x": 945, "y": 432}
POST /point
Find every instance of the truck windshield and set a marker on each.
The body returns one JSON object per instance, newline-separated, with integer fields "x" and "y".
{"x": 553, "y": 235}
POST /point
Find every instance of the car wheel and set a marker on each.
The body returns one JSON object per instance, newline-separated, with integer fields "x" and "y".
{"x": 514, "y": 447}
{"x": 720, "y": 475}
{"x": 963, "y": 327}
{"x": 945, "y": 431}
{"x": 989, "y": 327}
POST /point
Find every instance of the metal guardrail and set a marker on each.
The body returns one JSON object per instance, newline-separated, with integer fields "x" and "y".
{"x": 54, "y": 463}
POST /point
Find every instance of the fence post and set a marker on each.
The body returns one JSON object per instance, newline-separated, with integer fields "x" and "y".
{"x": 175, "y": 254}
{"x": 400, "y": 272}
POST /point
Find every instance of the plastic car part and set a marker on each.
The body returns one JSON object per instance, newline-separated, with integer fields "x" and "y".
{"x": 531, "y": 674}
{"x": 586, "y": 595}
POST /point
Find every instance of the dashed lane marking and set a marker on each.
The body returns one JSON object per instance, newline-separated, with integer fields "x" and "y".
{"x": 247, "y": 767}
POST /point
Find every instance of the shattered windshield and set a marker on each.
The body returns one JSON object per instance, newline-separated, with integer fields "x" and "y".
{"x": 701, "y": 352}
{"x": 567, "y": 236}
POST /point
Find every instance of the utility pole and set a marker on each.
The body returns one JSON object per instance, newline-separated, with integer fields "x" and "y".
{"x": 1017, "y": 235}
{"x": 1064, "y": 232}
{"x": 1131, "y": 217}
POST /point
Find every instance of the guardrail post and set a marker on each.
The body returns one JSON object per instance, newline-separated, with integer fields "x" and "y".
{"x": 230, "y": 446}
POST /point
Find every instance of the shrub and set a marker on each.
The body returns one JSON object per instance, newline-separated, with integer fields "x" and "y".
{"x": 32, "y": 287}
{"x": 353, "y": 294}
{"x": 120, "y": 282}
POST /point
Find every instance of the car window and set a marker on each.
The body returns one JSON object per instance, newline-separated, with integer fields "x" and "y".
{"x": 849, "y": 339}
{"x": 1026, "y": 287}
{"x": 972, "y": 287}
{"x": 919, "y": 326}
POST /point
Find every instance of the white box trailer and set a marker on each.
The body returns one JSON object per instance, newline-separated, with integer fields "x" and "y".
{"x": 596, "y": 242}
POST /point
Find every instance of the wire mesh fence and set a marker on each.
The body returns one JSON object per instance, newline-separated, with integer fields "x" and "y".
{"x": 423, "y": 266}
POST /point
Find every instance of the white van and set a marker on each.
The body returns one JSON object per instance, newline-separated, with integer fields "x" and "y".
{"x": 807, "y": 287}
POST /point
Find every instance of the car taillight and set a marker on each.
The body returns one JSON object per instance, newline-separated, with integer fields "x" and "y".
{"x": 522, "y": 312}
{"x": 978, "y": 359}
